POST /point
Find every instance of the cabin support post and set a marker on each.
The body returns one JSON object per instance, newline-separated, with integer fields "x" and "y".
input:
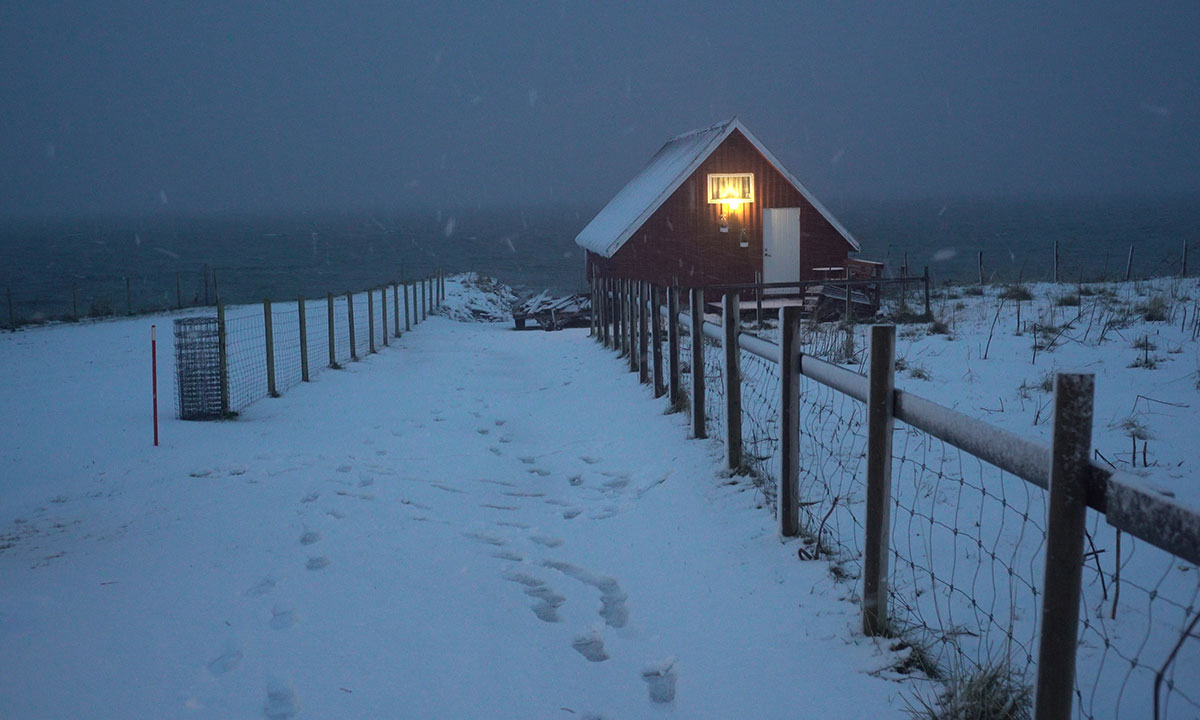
{"x": 1070, "y": 451}
{"x": 416, "y": 312}
{"x": 332, "y": 335}
{"x": 269, "y": 333}
{"x": 370, "y": 321}
{"x": 731, "y": 324}
{"x": 350, "y": 316}
{"x": 303, "y": 339}
{"x": 789, "y": 421}
{"x": 643, "y": 338}
{"x": 673, "y": 345}
{"x": 699, "y": 430}
{"x": 614, "y": 292}
{"x": 656, "y": 326}
{"x": 880, "y": 403}
{"x": 223, "y": 357}
{"x": 602, "y": 297}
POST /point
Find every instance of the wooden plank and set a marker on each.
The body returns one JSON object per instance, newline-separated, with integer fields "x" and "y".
{"x": 731, "y": 321}
{"x": 877, "y": 530}
{"x": 789, "y": 421}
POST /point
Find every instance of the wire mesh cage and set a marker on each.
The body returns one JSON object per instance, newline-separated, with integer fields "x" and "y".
{"x": 197, "y": 368}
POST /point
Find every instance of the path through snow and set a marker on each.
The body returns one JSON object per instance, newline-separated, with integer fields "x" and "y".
{"x": 472, "y": 523}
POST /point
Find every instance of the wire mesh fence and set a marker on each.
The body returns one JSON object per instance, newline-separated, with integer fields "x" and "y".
{"x": 967, "y": 543}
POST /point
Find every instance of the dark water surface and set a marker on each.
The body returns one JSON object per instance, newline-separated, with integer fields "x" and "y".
{"x": 61, "y": 267}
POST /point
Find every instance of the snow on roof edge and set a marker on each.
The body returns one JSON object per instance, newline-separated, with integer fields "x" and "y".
{"x": 594, "y": 234}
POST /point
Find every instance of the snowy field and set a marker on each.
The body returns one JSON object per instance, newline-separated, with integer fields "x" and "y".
{"x": 472, "y": 523}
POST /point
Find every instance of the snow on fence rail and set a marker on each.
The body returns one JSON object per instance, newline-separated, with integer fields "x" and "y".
{"x": 266, "y": 351}
{"x": 973, "y": 545}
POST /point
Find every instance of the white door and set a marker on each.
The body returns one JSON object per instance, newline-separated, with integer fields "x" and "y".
{"x": 781, "y": 246}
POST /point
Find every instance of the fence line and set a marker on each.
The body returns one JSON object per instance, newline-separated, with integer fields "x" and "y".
{"x": 261, "y": 348}
{"x": 942, "y": 518}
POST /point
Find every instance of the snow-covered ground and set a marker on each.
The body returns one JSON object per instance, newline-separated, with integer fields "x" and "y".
{"x": 472, "y": 523}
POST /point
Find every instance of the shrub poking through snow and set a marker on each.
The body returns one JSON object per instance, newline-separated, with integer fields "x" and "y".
{"x": 992, "y": 692}
{"x": 1071, "y": 300}
{"x": 1154, "y": 309}
{"x": 1016, "y": 292}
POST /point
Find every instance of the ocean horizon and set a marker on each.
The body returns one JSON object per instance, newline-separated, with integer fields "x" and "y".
{"x": 59, "y": 267}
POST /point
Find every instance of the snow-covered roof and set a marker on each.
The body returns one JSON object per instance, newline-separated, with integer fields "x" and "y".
{"x": 667, "y": 170}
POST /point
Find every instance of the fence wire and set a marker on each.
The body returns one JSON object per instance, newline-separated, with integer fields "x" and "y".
{"x": 246, "y": 350}
{"x": 285, "y": 325}
{"x": 967, "y": 545}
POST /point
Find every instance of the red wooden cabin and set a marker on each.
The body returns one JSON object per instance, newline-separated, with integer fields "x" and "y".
{"x": 714, "y": 207}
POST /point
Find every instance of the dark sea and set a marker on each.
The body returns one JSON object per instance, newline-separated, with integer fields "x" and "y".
{"x": 57, "y": 268}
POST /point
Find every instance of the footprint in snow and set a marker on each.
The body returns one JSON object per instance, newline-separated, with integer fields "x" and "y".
{"x": 344, "y": 468}
{"x": 485, "y": 539}
{"x": 495, "y": 451}
{"x": 590, "y": 646}
{"x": 546, "y": 541}
{"x": 528, "y": 459}
{"x": 309, "y": 537}
{"x": 319, "y": 562}
{"x": 226, "y": 661}
{"x": 540, "y": 472}
{"x": 660, "y": 679}
{"x": 589, "y": 459}
{"x": 281, "y": 700}
{"x": 612, "y": 598}
{"x": 483, "y": 431}
{"x": 571, "y": 513}
{"x": 548, "y": 601}
{"x": 311, "y": 497}
{"x": 282, "y": 618}
{"x": 506, "y": 438}
{"x": 336, "y": 514}
{"x": 365, "y": 481}
{"x": 500, "y": 423}
{"x": 262, "y": 587}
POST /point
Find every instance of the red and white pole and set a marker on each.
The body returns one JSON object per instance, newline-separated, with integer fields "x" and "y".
{"x": 154, "y": 378}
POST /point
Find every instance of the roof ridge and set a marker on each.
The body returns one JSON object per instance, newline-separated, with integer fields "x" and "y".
{"x": 699, "y": 131}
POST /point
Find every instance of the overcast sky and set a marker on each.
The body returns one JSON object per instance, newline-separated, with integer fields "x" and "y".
{"x": 125, "y": 106}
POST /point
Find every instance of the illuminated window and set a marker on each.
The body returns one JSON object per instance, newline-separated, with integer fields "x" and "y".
{"x": 730, "y": 189}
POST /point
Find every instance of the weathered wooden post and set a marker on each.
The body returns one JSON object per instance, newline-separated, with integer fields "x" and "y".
{"x": 643, "y": 333}
{"x": 269, "y": 332}
{"x": 1070, "y": 451}
{"x": 980, "y": 267}
{"x": 223, "y": 357}
{"x": 424, "y": 289}
{"x": 216, "y": 289}
{"x": 925, "y": 278}
{"x": 383, "y": 313}
{"x": 128, "y": 298}
{"x": 758, "y": 291}
{"x": 407, "y": 323}
{"x": 880, "y": 403}
{"x": 731, "y": 320}
{"x": 619, "y": 317}
{"x": 303, "y": 339}
{"x": 1129, "y": 264}
{"x": 1056, "y": 260}
{"x": 370, "y": 321}
{"x": 676, "y": 390}
{"x": 631, "y": 299}
{"x": 416, "y": 304}
{"x": 614, "y": 314}
{"x": 789, "y": 421}
{"x": 656, "y": 325}
{"x": 699, "y": 428}
{"x": 333, "y": 363}
{"x": 396, "y": 308}
{"x": 350, "y": 316}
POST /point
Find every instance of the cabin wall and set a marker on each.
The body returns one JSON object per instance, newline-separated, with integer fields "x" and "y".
{"x": 681, "y": 243}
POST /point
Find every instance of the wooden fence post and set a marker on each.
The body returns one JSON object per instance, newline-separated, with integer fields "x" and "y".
{"x": 1056, "y": 260}
{"x": 1070, "y": 451}
{"x": 789, "y": 421}
{"x": 350, "y": 315}
{"x": 333, "y": 363}
{"x": 731, "y": 321}
{"x": 643, "y": 330}
{"x": 422, "y": 287}
{"x": 656, "y": 326}
{"x": 699, "y": 429}
{"x": 383, "y": 313}
{"x": 602, "y": 318}
{"x": 396, "y": 308}
{"x": 925, "y": 277}
{"x": 619, "y": 316}
{"x": 370, "y": 321}
{"x": 1129, "y": 264}
{"x": 880, "y": 403}
{"x": 407, "y": 323}
{"x": 676, "y": 390}
{"x": 416, "y": 304}
{"x": 223, "y": 357}
{"x": 614, "y": 313}
{"x": 980, "y": 267}
{"x": 303, "y": 339}
{"x": 269, "y": 333}
{"x": 631, "y": 298}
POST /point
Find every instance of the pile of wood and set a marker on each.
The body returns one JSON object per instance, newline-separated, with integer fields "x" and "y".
{"x": 552, "y": 313}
